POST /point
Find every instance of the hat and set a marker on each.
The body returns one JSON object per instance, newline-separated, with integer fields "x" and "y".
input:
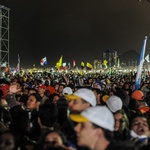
{"x": 114, "y": 103}
{"x": 42, "y": 86}
{"x": 105, "y": 98}
{"x": 144, "y": 109}
{"x": 51, "y": 89}
{"x": 85, "y": 94}
{"x": 67, "y": 90}
{"x": 99, "y": 115}
{"x": 137, "y": 95}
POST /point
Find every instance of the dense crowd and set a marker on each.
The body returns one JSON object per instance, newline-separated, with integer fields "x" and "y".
{"x": 43, "y": 111}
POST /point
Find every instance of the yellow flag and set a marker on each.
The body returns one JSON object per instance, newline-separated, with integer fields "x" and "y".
{"x": 88, "y": 65}
{"x": 59, "y": 63}
{"x": 80, "y": 72}
{"x": 82, "y": 64}
{"x": 105, "y": 62}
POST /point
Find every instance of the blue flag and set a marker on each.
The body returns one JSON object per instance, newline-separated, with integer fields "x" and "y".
{"x": 140, "y": 65}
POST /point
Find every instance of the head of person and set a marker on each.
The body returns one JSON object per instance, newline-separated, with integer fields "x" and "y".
{"x": 55, "y": 97}
{"x": 67, "y": 91}
{"x": 81, "y": 100}
{"x": 32, "y": 90}
{"x": 114, "y": 103}
{"x": 3, "y": 102}
{"x": 56, "y": 86}
{"x": 96, "y": 123}
{"x": 52, "y": 138}
{"x": 47, "y": 116}
{"x": 41, "y": 89}
{"x": 139, "y": 124}
{"x": 97, "y": 94}
{"x": 61, "y": 87}
{"x": 121, "y": 121}
{"x": 138, "y": 97}
{"x": 7, "y": 141}
{"x": 33, "y": 101}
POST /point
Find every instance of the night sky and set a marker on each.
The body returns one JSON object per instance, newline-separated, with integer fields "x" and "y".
{"x": 77, "y": 29}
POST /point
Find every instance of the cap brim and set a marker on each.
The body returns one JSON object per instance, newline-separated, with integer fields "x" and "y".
{"x": 72, "y": 97}
{"x": 78, "y": 118}
{"x": 105, "y": 98}
{"x": 144, "y": 109}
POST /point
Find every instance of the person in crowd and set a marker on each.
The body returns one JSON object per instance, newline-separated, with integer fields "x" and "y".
{"x": 54, "y": 138}
{"x": 24, "y": 96}
{"x": 32, "y": 90}
{"x": 121, "y": 128}
{"x": 8, "y": 141}
{"x": 4, "y": 104}
{"x": 41, "y": 92}
{"x": 47, "y": 116}
{"x": 138, "y": 96}
{"x": 56, "y": 86}
{"x": 67, "y": 91}
{"x": 54, "y": 98}
{"x": 97, "y": 93}
{"x": 25, "y": 120}
{"x": 5, "y": 119}
{"x": 81, "y": 100}
{"x": 139, "y": 130}
{"x": 61, "y": 87}
{"x": 147, "y": 98}
{"x": 114, "y": 103}
{"x": 11, "y": 96}
{"x": 94, "y": 128}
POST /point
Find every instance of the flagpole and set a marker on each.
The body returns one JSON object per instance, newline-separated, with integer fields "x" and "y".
{"x": 18, "y": 65}
{"x": 140, "y": 65}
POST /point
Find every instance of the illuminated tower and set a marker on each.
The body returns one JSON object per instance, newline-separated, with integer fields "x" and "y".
{"x": 4, "y": 35}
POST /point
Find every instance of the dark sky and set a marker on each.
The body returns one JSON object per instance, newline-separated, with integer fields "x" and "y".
{"x": 79, "y": 29}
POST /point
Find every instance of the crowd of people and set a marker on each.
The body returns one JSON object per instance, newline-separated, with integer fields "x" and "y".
{"x": 43, "y": 111}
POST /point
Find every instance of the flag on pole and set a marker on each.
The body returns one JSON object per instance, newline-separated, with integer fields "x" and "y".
{"x": 147, "y": 58}
{"x": 82, "y": 65}
{"x": 105, "y": 63}
{"x": 88, "y": 66}
{"x": 18, "y": 63}
{"x": 59, "y": 63}
{"x": 140, "y": 65}
{"x": 43, "y": 61}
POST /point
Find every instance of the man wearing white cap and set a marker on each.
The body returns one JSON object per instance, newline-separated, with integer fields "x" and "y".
{"x": 95, "y": 128}
{"x": 80, "y": 100}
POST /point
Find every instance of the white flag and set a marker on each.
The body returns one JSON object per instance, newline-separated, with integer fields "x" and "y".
{"x": 147, "y": 58}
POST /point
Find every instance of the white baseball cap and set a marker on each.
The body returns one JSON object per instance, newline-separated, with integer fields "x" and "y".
{"x": 67, "y": 90}
{"x": 85, "y": 94}
{"x": 114, "y": 103}
{"x": 99, "y": 115}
